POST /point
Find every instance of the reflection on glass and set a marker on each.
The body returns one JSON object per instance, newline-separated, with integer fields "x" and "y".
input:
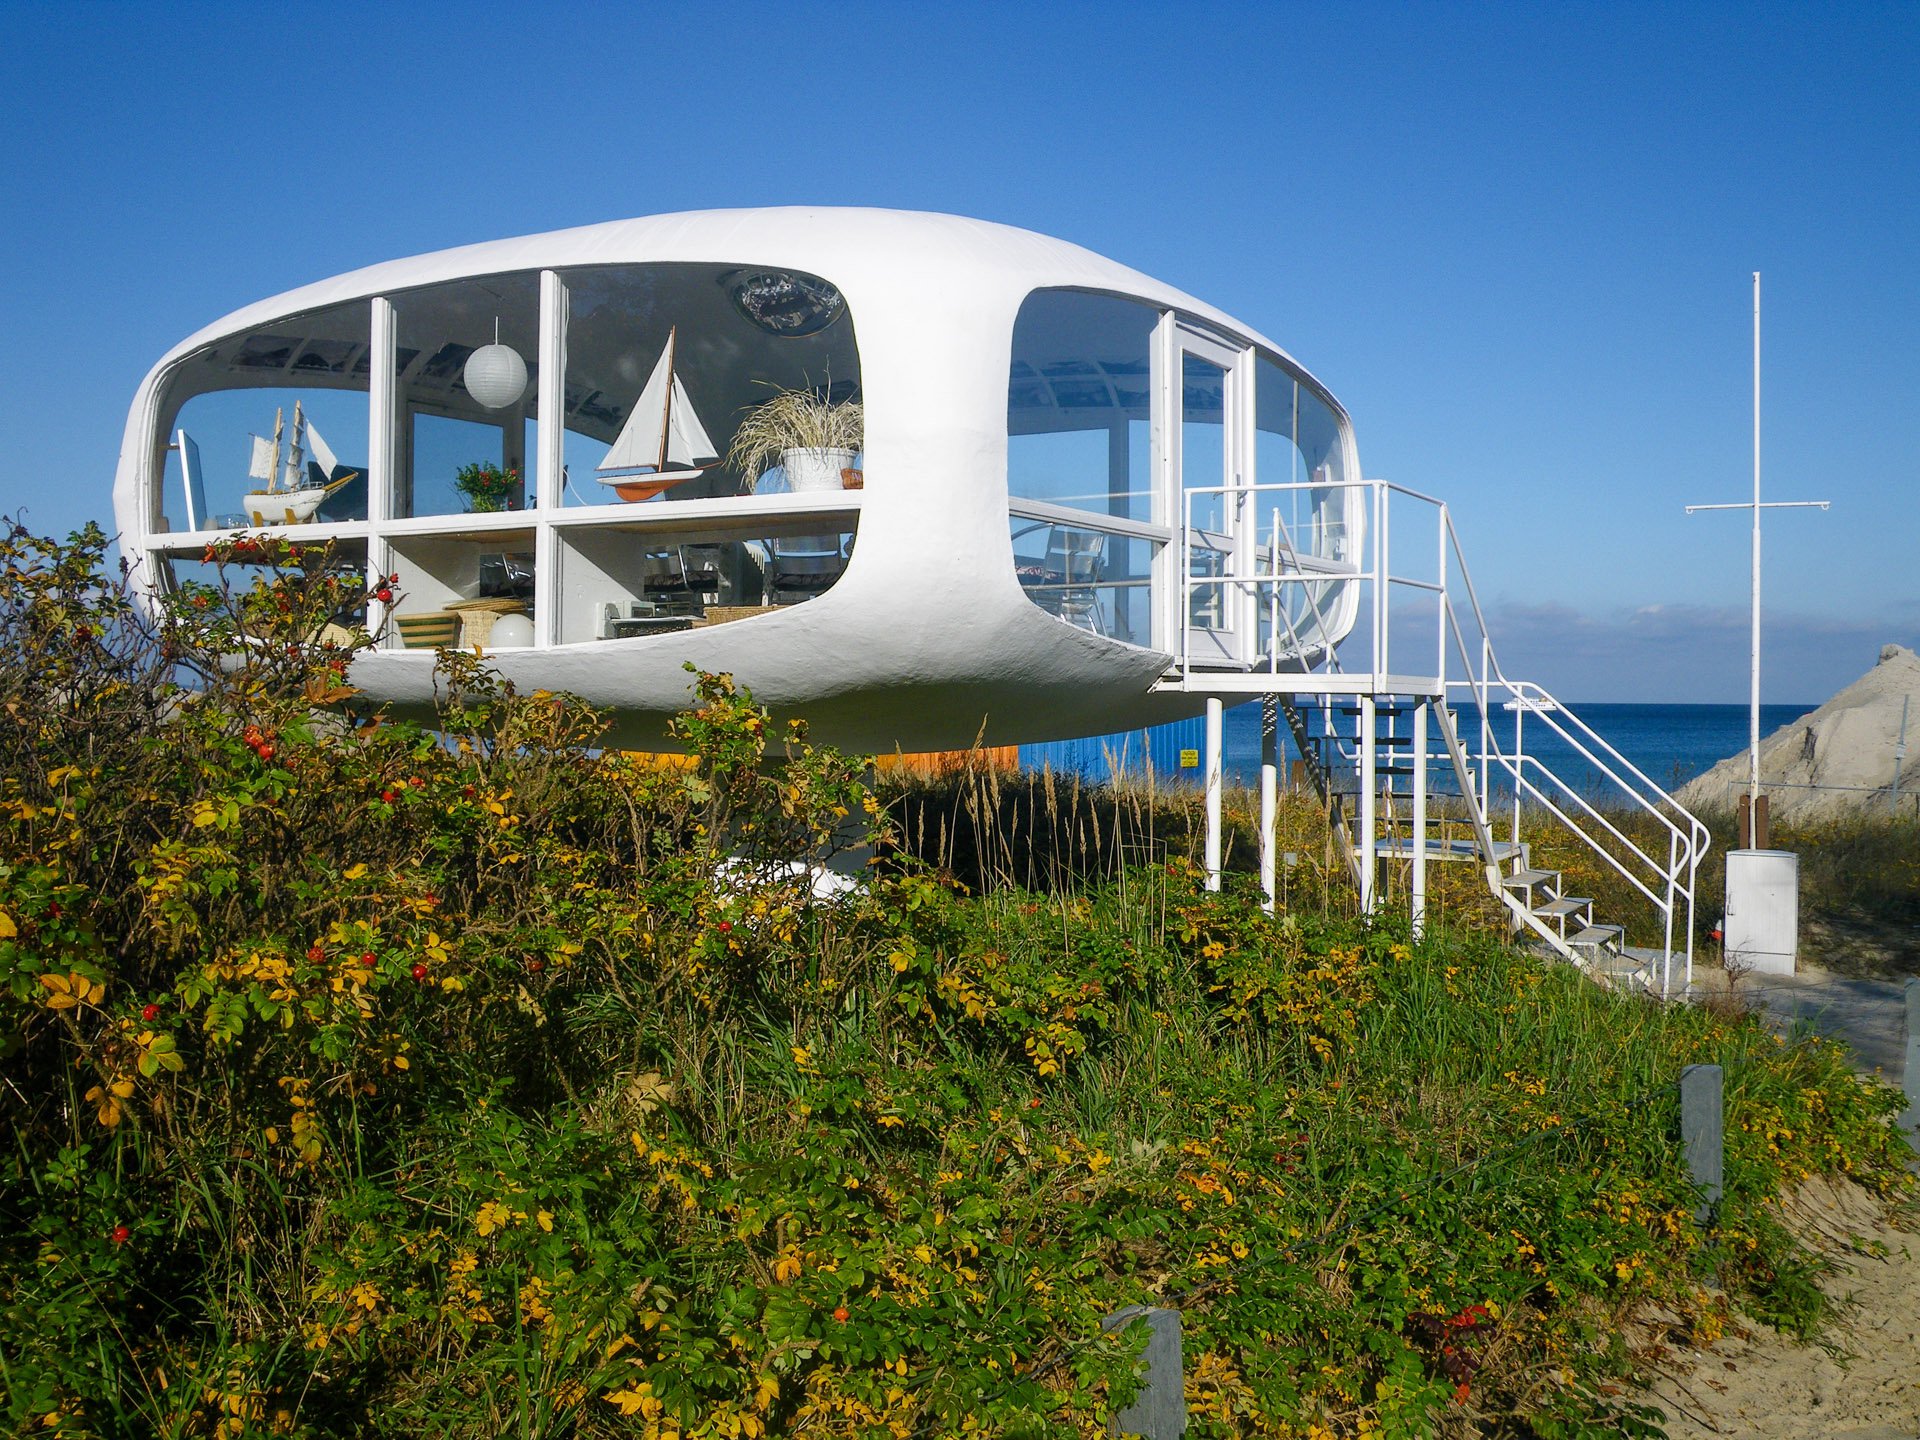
{"x": 443, "y": 447}
{"x": 672, "y": 355}
{"x": 1203, "y": 443}
{"x": 1203, "y": 463}
{"x": 279, "y": 415}
{"x": 445, "y": 428}
{"x": 1297, "y": 442}
{"x": 224, "y": 467}
{"x": 1079, "y": 403}
{"x": 617, "y": 586}
{"x": 1090, "y": 578}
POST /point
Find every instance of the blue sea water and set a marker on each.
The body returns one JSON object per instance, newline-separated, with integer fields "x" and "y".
{"x": 1671, "y": 744}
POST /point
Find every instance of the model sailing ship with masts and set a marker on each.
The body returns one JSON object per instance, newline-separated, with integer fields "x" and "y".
{"x": 288, "y": 496}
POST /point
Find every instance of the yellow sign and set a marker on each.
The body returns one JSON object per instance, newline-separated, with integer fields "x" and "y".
{"x": 1189, "y": 759}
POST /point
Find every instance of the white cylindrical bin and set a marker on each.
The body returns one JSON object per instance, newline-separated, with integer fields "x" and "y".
{"x": 1763, "y": 910}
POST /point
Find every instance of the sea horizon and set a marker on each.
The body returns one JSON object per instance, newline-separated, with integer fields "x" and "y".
{"x": 1670, "y": 742}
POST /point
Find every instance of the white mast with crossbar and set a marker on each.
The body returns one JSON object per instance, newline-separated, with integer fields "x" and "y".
{"x": 1755, "y": 505}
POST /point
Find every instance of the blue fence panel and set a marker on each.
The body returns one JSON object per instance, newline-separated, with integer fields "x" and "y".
{"x": 1172, "y": 751}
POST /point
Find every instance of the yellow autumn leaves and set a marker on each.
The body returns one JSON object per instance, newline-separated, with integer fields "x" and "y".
{"x": 494, "y": 1216}
{"x": 66, "y": 992}
{"x": 106, "y": 1101}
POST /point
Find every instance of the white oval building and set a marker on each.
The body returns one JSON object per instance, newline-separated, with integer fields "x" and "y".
{"x": 1057, "y": 455}
{"x": 922, "y": 480}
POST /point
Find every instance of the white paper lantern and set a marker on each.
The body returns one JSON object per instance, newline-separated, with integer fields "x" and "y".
{"x": 496, "y": 375}
{"x": 511, "y": 632}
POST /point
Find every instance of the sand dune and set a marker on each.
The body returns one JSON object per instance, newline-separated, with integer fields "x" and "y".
{"x": 1849, "y": 744}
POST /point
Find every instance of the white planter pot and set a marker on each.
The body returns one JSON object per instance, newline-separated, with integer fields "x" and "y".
{"x": 815, "y": 469}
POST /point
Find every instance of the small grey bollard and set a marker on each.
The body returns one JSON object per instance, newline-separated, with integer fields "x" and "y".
{"x": 1701, "y": 1135}
{"x": 1159, "y": 1412}
{"x": 1910, "y": 1073}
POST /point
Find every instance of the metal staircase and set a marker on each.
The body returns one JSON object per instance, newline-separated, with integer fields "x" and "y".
{"x": 1384, "y": 745}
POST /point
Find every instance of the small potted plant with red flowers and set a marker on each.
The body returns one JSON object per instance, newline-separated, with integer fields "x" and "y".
{"x": 488, "y": 487}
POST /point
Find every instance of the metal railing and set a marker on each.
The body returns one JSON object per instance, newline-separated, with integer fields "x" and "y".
{"x": 1296, "y": 648}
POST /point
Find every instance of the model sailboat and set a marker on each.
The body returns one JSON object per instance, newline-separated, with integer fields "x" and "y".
{"x": 663, "y": 441}
{"x": 286, "y": 496}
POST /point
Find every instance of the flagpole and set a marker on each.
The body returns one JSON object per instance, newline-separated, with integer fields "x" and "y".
{"x": 1756, "y": 506}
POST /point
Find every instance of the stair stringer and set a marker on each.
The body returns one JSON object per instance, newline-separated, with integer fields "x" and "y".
{"x": 1521, "y": 912}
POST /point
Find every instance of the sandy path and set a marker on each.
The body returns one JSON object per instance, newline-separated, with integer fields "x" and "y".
{"x": 1861, "y": 1380}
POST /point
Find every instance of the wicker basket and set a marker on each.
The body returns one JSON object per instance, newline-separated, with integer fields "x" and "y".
{"x": 477, "y": 616}
{"x": 722, "y": 614}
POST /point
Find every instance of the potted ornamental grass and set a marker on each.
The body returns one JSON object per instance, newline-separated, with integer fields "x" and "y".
{"x": 814, "y": 439}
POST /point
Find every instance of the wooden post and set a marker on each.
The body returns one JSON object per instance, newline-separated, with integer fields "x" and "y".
{"x": 1701, "y": 1122}
{"x": 1159, "y": 1412}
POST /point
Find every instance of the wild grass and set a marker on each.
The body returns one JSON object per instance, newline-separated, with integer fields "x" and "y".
{"x": 364, "y": 1079}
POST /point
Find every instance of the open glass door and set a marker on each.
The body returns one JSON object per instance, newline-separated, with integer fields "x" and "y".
{"x": 1209, "y": 504}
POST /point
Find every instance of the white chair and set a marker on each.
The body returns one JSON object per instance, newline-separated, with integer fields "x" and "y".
{"x": 1074, "y": 560}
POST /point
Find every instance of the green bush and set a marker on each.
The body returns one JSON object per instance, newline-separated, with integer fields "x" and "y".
{"x": 363, "y": 1078}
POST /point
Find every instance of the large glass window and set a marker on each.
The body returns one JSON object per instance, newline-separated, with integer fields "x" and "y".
{"x": 660, "y": 368}
{"x": 1092, "y": 578}
{"x": 1079, "y": 437}
{"x": 270, "y": 427}
{"x": 664, "y": 363}
{"x": 618, "y": 585}
{"x": 1297, "y": 443}
{"x": 468, "y": 386}
{"x": 1204, "y": 472}
{"x": 1306, "y": 519}
{"x": 1079, "y": 403}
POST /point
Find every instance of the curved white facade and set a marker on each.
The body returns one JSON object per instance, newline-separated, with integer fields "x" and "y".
{"x": 922, "y": 636}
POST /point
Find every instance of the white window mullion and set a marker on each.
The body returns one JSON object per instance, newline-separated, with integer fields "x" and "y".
{"x": 1168, "y": 510}
{"x": 551, "y": 445}
{"x": 383, "y": 385}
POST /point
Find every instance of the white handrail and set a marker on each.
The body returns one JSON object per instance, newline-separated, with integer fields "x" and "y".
{"x": 1687, "y": 837}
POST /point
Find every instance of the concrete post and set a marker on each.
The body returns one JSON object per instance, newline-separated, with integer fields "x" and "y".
{"x": 1701, "y": 1137}
{"x": 1159, "y": 1412}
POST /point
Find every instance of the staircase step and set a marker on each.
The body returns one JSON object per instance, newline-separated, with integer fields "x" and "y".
{"x": 1399, "y": 847}
{"x": 1527, "y": 879}
{"x": 1600, "y": 935}
{"x": 1562, "y": 905}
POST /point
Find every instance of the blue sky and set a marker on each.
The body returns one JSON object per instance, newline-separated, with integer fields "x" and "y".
{"x": 1515, "y": 241}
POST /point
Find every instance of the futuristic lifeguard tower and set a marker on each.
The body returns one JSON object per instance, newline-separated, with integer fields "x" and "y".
{"x": 1082, "y": 501}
